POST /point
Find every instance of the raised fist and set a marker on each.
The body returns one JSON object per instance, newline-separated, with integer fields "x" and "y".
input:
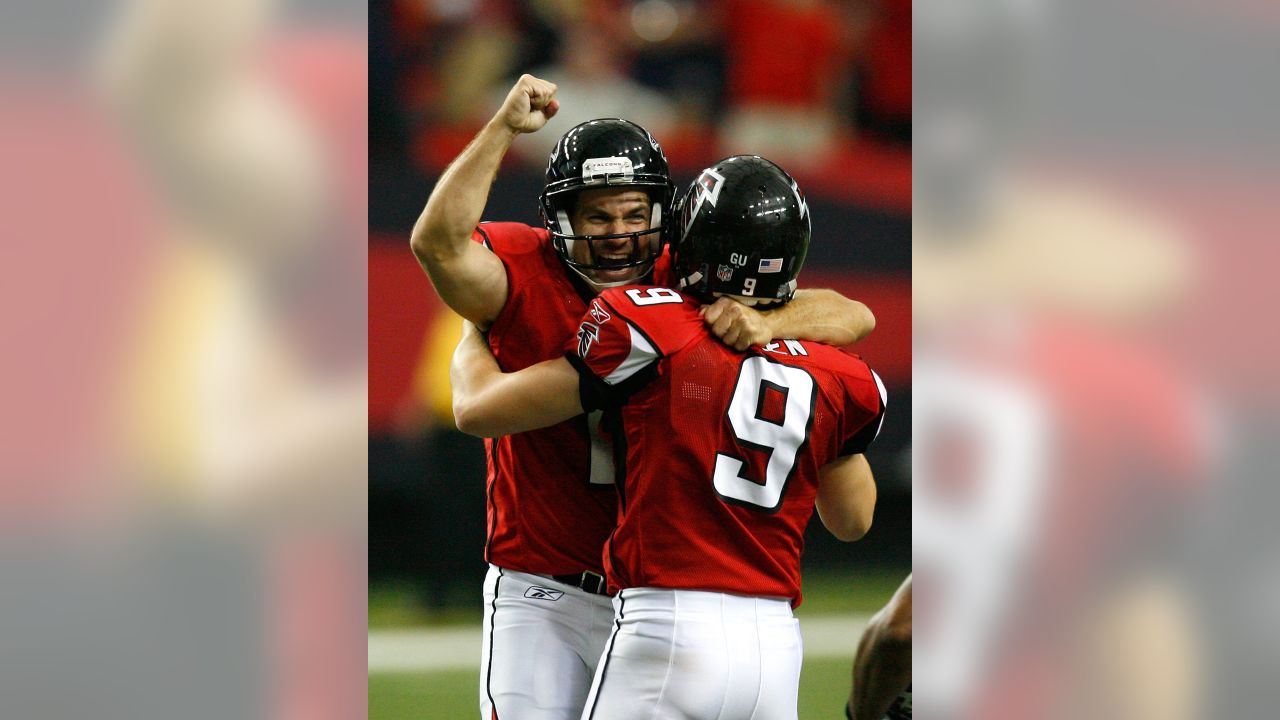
{"x": 529, "y": 105}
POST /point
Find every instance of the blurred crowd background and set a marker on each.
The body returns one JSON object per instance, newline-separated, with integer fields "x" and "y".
{"x": 807, "y": 82}
{"x": 823, "y": 88}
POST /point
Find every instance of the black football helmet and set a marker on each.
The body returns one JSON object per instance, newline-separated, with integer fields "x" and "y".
{"x": 742, "y": 228}
{"x": 605, "y": 153}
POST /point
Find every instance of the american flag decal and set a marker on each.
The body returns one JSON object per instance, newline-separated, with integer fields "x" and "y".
{"x": 771, "y": 265}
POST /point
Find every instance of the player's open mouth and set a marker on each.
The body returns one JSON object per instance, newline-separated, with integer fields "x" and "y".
{"x": 615, "y": 258}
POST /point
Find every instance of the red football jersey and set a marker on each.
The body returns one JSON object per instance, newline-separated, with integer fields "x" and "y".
{"x": 551, "y": 499}
{"x": 721, "y": 450}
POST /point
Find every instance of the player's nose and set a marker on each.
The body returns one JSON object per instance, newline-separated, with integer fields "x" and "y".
{"x": 619, "y": 243}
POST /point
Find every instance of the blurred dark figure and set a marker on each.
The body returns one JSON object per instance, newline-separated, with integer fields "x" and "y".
{"x": 881, "y": 687}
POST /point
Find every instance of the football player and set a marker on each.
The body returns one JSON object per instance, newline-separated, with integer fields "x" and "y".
{"x": 722, "y": 455}
{"x": 607, "y": 200}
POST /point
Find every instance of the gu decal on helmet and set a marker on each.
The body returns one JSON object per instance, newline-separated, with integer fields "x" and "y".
{"x": 707, "y": 187}
{"x": 724, "y": 273}
{"x": 771, "y": 265}
{"x": 587, "y": 334}
{"x": 598, "y": 313}
{"x": 610, "y": 169}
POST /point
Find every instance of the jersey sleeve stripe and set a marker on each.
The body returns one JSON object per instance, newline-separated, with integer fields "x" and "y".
{"x": 884, "y": 394}
{"x": 868, "y": 432}
{"x": 642, "y": 353}
{"x": 884, "y": 403}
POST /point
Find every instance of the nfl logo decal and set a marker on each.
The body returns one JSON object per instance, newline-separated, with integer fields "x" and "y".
{"x": 724, "y": 273}
{"x": 771, "y": 265}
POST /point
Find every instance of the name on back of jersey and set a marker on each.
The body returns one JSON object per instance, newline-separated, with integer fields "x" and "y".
{"x": 785, "y": 347}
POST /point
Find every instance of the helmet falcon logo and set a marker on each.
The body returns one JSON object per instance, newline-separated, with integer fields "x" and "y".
{"x": 804, "y": 206}
{"x": 710, "y": 181}
{"x": 707, "y": 189}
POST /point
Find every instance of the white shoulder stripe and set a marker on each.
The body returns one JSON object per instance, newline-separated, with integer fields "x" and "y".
{"x": 884, "y": 395}
{"x": 642, "y": 353}
{"x": 884, "y": 403}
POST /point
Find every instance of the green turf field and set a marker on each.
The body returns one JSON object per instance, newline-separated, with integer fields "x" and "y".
{"x": 455, "y": 694}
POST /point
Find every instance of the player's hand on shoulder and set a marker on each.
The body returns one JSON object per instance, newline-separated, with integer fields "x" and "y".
{"x": 529, "y": 105}
{"x": 737, "y": 325}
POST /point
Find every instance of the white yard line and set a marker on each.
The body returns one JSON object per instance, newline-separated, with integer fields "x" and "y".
{"x": 458, "y": 648}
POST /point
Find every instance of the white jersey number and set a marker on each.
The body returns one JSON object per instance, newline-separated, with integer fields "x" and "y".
{"x": 780, "y": 437}
{"x": 654, "y": 296}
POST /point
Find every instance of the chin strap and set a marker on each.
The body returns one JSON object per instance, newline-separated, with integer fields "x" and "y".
{"x": 690, "y": 280}
{"x": 749, "y": 301}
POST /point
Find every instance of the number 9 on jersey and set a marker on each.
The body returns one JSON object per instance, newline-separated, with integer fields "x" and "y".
{"x": 781, "y": 437}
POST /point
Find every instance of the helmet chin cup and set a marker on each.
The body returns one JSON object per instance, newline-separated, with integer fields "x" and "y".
{"x": 583, "y": 251}
{"x": 599, "y": 286}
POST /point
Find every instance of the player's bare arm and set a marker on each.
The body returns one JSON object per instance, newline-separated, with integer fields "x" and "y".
{"x": 882, "y": 665}
{"x": 847, "y": 497}
{"x": 469, "y": 278}
{"x": 488, "y": 402}
{"x": 823, "y": 316}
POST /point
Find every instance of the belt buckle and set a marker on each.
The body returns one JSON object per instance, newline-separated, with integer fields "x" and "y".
{"x": 599, "y": 584}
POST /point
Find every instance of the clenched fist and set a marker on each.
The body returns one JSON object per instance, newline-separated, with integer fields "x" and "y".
{"x": 529, "y": 105}
{"x": 737, "y": 325}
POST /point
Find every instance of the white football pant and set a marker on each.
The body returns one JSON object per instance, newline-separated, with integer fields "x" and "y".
{"x": 692, "y": 655}
{"x": 542, "y": 640}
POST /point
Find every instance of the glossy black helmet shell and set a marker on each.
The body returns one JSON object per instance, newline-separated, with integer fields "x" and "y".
{"x": 606, "y": 153}
{"x": 742, "y": 228}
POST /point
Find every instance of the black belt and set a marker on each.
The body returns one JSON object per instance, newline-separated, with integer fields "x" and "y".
{"x": 593, "y": 583}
